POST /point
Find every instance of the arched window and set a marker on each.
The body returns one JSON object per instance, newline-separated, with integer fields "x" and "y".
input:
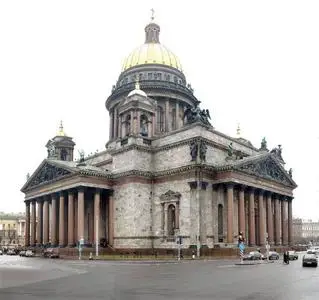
{"x": 143, "y": 125}
{"x": 174, "y": 119}
{"x": 220, "y": 223}
{"x": 128, "y": 125}
{"x": 160, "y": 119}
{"x": 64, "y": 154}
{"x": 171, "y": 220}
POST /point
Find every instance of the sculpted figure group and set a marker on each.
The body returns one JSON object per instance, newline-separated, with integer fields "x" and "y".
{"x": 195, "y": 114}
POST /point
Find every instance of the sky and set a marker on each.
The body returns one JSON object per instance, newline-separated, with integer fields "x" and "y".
{"x": 255, "y": 63}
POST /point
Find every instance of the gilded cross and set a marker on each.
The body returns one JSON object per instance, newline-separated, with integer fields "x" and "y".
{"x": 153, "y": 13}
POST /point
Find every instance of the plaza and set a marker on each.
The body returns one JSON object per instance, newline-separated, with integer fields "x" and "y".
{"x": 36, "y": 278}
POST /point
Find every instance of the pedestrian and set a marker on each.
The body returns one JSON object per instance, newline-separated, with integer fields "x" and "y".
{"x": 193, "y": 254}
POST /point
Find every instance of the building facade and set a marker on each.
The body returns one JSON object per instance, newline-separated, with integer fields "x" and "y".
{"x": 165, "y": 172}
{"x": 305, "y": 230}
{"x": 12, "y": 229}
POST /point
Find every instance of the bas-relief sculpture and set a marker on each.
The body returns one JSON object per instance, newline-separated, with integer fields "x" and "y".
{"x": 266, "y": 169}
{"x": 48, "y": 173}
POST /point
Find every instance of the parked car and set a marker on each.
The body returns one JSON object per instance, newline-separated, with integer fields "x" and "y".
{"x": 22, "y": 253}
{"x": 273, "y": 255}
{"x": 254, "y": 255}
{"x": 29, "y": 253}
{"x": 11, "y": 252}
{"x": 1, "y": 253}
{"x": 312, "y": 251}
{"x": 292, "y": 255}
{"x": 51, "y": 253}
{"x": 310, "y": 260}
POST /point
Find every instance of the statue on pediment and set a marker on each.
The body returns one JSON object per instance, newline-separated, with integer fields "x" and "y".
{"x": 263, "y": 145}
{"x": 290, "y": 172}
{"x": 230, "y": 150}
{"x": 277, "y": 151}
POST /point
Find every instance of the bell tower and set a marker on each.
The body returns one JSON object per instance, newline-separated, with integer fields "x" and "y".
{"x": 61, "y": 147}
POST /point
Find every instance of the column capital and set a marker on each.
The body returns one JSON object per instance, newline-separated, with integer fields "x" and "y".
{"x": 46, "y": 198}
{"x": 243, "y": 187}
{"x": 98, "y": 190}
{"x": 268, "y": 194}
{"x": 215, "y": 186}
{"x": 251, "y": 189}
{"x": 81, "y": 188}
{"x": 261, "y": 192}
{"x": 71, "y": 192}
{"x": 229, "y": 185}
{"x": 193, "y": 185}
{"x": 203, "y": 185}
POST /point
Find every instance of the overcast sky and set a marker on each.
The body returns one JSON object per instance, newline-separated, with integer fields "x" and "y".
{"x": 252, "y": 62}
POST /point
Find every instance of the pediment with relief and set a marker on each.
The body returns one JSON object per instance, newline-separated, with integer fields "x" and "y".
{"x": 170, "y": 195}
{"x": 46, "y": 174}
{"x": 266, "y": 168}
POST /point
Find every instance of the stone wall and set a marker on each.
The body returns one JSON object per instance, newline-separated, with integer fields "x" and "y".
{"x": 132, "y": 160}
{"x": 132, "y": 216}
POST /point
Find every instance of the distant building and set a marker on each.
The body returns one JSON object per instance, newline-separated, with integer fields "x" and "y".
{"x": 12, "y": 229}
{"x": 305, "y": 230}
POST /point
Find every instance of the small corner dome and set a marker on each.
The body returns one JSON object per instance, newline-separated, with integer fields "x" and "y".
{"x": 137, "y": 91}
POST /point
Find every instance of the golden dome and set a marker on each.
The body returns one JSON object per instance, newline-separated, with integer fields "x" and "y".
{"x": 152, "y": 52}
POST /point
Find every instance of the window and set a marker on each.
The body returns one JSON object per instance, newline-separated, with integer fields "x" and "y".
{"x": 143, "y": 125}
{"x": 173, "y": 118}
{"x": 128, "y": 125}
{"x": 220, "y": 223}
{"x": 171, "y": 226}
{"x": 160, "y": 119}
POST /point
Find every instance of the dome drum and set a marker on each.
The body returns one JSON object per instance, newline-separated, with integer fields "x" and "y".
{"x": 152, "y": 87}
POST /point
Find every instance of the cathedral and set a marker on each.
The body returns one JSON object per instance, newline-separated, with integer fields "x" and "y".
{"x": 166, "y": 173}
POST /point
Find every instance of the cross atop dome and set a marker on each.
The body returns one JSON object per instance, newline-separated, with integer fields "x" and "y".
{"x": 153, "y": 14}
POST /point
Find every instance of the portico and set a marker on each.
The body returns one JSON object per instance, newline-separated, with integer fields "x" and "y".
{"x": 258, "y": 215}
{"x": 71, "y": 215}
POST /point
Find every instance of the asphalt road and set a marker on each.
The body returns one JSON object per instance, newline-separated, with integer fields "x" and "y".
{"x": 37, "y": 278}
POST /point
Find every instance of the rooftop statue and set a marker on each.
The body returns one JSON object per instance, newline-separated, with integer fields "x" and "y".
{"x": 195, "y": 114}
{"x": 277, "y": 151}
{"x": 263, "y": 145}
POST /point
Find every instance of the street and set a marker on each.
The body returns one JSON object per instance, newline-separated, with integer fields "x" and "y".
{"x": 37, "y": 278}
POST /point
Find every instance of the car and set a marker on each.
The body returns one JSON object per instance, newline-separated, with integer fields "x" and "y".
{"x": 1, "y": 253}
{"x": 22, "y": 253}
{"x": 254, "y": 255}
{"x": 273, "y": 255}
{"x": 29, "y": 253}
{"x": 310, "y": 260}
{"x": 51, "y": 253}
{"x": 292, "y": 255}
